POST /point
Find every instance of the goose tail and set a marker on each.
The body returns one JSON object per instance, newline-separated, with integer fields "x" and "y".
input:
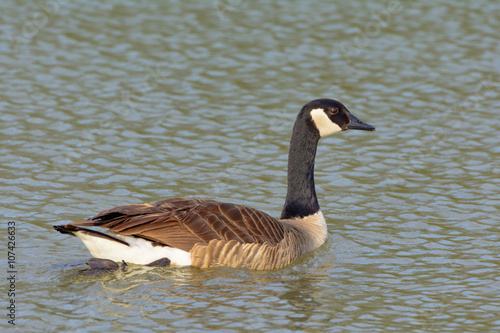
{"x": 71, "y": 229}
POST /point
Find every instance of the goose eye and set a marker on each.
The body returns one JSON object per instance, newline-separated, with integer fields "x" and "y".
{"x": 334, "y": 111}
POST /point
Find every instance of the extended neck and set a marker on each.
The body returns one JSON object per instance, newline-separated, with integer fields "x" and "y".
{"x": 301, "y": 197}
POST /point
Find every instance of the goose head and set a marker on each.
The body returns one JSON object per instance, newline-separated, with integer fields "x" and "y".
{"x": 329, "y": 116}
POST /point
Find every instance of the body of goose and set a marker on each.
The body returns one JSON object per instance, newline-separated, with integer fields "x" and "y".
{"x": 206, "y": 233}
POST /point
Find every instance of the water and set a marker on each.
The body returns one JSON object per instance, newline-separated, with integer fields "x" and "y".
{"x": 109, "y": 103}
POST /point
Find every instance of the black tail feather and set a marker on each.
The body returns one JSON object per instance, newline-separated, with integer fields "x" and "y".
{"x": 71, "y": 229}
{"x": 66, "y": 229}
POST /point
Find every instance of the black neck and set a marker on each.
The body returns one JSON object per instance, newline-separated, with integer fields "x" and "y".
{"x": 301, "y": 197}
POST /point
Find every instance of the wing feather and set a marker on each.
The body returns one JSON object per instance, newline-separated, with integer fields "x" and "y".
{"x": 183, "y": 222}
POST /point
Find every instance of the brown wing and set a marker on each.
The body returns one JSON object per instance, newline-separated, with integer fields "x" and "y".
{"x": 184, "y": 222}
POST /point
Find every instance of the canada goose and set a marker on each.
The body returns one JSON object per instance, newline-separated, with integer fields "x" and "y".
{"x": 206, "y": 233}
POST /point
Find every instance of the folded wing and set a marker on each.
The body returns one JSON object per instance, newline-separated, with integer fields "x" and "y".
{"x": 184, "y": 222}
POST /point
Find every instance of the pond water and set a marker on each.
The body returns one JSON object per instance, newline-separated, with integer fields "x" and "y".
{"x": 104, "y": 103}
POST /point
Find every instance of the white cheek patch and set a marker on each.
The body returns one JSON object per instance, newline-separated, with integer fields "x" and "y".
{"x": 324, "y": 125}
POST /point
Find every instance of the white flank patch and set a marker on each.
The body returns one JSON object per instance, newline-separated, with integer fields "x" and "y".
{"x": 324, "y": 125}
{"x": 139, "y": 251}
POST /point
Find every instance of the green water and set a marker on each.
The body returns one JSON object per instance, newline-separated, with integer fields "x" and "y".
{"x": 104, "y": 103}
